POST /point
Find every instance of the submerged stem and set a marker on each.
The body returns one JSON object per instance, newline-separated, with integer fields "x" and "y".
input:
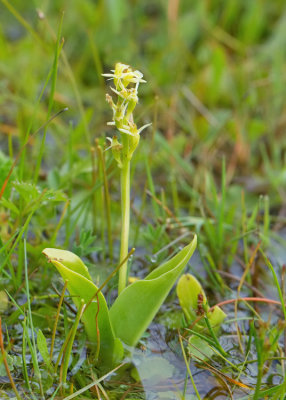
{"x": 125, "y": 221}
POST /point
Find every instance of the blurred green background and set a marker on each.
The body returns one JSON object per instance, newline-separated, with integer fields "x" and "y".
{"x": 215, "y": 74}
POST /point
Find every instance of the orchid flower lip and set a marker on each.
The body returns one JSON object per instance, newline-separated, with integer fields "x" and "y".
{"x": 112, "y": 144}
{"x": 130, "y": 95}
{"x": 134, "y": 79}
{"x": 109, "y": 79}
{"x": 143, "y": 127}
{"x": 108, "y": 75}
{"x": 122, "y": 130}
{"x": 127, "y": 127}
{"x": 134, "y": 74}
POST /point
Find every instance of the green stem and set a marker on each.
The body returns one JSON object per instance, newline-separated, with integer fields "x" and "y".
{"x": 125, "y": 221}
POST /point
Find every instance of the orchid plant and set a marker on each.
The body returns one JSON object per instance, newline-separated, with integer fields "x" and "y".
{"x": 109, "y": 329}
{"x": 127, "y": 98}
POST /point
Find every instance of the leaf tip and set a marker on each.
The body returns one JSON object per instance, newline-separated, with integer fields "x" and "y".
{"x": 46, "y": 253}
{"x": 195, "y": 240}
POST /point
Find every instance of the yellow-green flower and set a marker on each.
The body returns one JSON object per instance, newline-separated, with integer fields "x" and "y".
{"x": 126, "y": 83}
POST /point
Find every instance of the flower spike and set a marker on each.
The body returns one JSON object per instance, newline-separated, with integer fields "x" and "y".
{"x": 126, "y": 82}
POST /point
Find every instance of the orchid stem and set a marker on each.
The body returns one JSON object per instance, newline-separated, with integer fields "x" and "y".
{"x": 125, "y": 221}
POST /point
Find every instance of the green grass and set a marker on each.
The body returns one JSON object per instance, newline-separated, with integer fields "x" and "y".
{"x": 212, "y": 163}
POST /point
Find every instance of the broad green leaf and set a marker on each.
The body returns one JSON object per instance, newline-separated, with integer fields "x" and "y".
{"x": 137, "y": 305}
{"x": 9, "y": 360}
{"x": 4, "y": 301}
{"x": 43, "y": 348}
{"x": 153, "y": 370}
{"x": 80, "y": 287}
{"x": 200, "y": 348}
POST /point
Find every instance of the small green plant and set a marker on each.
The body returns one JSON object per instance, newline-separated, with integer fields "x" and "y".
{"x": 194, "y": 303}
{"x": 202, "y": 318}
{"x": 136, "y": 305}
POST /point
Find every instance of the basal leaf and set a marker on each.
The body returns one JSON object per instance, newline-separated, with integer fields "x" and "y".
{"x": 137, "y": 305}
{"x": 69, "y": 260}
{"x": 80, "y": 287}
